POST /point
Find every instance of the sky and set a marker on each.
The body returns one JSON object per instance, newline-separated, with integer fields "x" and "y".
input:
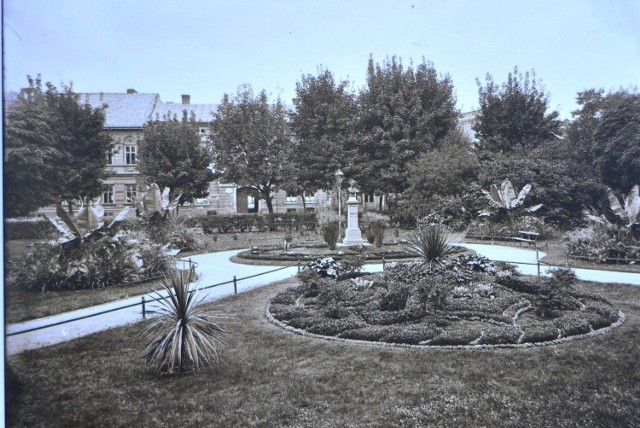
{"x": 206, "y": 48}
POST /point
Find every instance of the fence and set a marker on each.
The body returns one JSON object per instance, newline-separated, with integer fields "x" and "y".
{"x": 143, "y": 301}
{"x": 234, "y": 281}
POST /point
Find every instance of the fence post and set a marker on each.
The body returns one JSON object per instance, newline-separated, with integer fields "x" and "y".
{"x": 383, "y": 262}
{"x": 298, "y": 264}
{"x": 538, "y": 262}
{"x": 235, "y": 285}
{"x": 144, "y": 309}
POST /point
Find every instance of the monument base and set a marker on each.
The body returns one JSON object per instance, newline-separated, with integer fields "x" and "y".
{"x": 353, "y": 237}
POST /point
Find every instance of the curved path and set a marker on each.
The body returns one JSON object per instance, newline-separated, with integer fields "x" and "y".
{"x": 215, "y": 268}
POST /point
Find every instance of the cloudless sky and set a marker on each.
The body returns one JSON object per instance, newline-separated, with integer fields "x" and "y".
{"x": 206, "y": 48}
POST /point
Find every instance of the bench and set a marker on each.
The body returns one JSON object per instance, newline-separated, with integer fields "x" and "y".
{"x": 528, "y": 238}
{"x": 523, "y": 241}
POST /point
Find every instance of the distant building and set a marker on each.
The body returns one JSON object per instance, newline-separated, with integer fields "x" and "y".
{"x": 466, "y": 122}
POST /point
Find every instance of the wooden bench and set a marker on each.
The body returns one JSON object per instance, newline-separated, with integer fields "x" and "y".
{"x": 528, "y": 238}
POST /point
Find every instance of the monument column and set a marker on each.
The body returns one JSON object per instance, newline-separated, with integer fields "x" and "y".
{"x": 353, "y": 235}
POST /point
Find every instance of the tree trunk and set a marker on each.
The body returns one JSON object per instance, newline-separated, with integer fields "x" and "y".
{"x": 268, "y": 200}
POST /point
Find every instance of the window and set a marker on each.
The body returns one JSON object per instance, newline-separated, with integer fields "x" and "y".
{"x": 202, "y": 201}
{"x": 130, "y": 155}
{"x": 251, "y": 202}
{"x": 310, "y": 199}
{"x": 110, "y": 154}
{"x": 291, "y": 199}
{"x": 131, "y": 193}
{"x": 369, "y": 197}
{"x": 107, "y": 196}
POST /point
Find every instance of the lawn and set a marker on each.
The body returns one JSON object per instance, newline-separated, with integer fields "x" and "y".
{"x": 270, "y": 377}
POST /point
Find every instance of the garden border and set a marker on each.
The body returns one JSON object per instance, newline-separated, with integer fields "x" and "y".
{"x": 592, "y": 333}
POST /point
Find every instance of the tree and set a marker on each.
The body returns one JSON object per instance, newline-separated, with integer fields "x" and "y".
{"x": 616, "y": 143}
{"x": 323, "y": 126}
{"x": 172, "y": 155}
{"x": 404, "y": 113}
{"x": 445, "y": 170}
{"x": 253, "y": 143}
{"x": 514, "y": 114}
{"x": 56, "y": 149}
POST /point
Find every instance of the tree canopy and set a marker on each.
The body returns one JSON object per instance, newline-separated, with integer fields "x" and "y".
{"x": 616, "y": 142}
{"x": 172, "y": 155}
{"x": 56, "y": 149}
{"x": 323, "y": 124}
{"x": 404, "y": 113}
{"x": 514, "y": 114}
{"x": 253, "y": 142}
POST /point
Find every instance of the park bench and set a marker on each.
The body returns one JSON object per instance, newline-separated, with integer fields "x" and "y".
{"x": 526, "y": 237}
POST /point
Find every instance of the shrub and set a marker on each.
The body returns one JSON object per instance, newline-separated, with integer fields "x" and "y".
{"x": 330, "y": 232}
{"x": 326, "y": 267}
{"x": 102, "y": 261}
{"x": 376, "y": 226}
{"x": 604, "y": 243}
{"x": 27, "y": 229}
{"x": 542, "y": 332}
{"x": 431, "y": 243}
{"x": 182, "y": 337}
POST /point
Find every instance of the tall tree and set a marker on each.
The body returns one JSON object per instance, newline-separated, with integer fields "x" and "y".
{"x": 616, "y": 143}
{"x": 404, "y": 113}
{"x": 56, "y": 149}
{"x": 323, "y": 124}
{"x": 172, "y": 155}
{"x": 514, "y": 114}
{"x": 253, "y": 142}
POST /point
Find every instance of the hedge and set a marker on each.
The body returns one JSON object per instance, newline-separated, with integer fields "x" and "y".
{"x": 257, "y": 223}
{"x": 29, "y": 229}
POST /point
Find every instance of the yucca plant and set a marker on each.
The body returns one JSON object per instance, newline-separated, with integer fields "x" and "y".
{"x": 182, "y": 336}
{"x": 431, "y": 243}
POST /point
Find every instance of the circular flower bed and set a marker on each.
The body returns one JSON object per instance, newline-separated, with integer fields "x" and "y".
{"x": 465, "y": 301}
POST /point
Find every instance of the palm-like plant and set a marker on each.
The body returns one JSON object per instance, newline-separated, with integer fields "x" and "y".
{"x": 183, "y": 336}
{"x": 431, "y": 243}
{"x": 629, "y": 210}
{"x": 505, "y": 197}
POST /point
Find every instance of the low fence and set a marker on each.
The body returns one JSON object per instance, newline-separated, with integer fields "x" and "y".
{"x": 143, "y": 301}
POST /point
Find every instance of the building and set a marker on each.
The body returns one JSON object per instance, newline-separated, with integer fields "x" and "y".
{"x": 126, "y": 115}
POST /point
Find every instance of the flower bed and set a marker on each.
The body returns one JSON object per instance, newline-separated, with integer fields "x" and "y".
{"x": 465, "y": 301}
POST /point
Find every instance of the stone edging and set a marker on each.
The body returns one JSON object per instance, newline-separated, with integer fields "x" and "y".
{"x": 273, "y": 320}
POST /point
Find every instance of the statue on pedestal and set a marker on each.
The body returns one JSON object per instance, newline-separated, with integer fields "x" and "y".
{"x": 353, "y": 235}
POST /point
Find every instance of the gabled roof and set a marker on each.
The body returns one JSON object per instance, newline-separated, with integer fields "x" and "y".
{"x": 125, "y": 110}
{"x": 203, "y": 112}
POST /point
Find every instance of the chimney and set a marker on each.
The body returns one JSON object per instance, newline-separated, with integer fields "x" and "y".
{"x": 131, "y": 91}
{"x": 186, "y": 99}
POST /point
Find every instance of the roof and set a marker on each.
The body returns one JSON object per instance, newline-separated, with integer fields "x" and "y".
{"x": 203, "y": 112}
{"x": 125, "y": 110}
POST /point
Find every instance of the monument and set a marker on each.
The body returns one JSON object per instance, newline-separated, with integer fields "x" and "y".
{"x": 353, "y": 235}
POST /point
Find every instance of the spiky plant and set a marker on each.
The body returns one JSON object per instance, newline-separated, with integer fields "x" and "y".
{"x": 431, "y": 243}
{"x": 182, "y": 337}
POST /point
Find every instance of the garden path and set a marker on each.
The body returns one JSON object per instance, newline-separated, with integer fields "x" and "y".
{"x": 216, "y": 268}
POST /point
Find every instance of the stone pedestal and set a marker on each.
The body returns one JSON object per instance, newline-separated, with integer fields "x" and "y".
{"x": 353, "y": 235}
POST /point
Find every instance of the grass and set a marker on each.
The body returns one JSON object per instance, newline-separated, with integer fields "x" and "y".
{"x": 269, "y": 377}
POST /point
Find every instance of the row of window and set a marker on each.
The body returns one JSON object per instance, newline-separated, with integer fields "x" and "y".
{"x": 130, "y": 157}
{"x": 309, "y": 199}
{"x": 131, "y": 192}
